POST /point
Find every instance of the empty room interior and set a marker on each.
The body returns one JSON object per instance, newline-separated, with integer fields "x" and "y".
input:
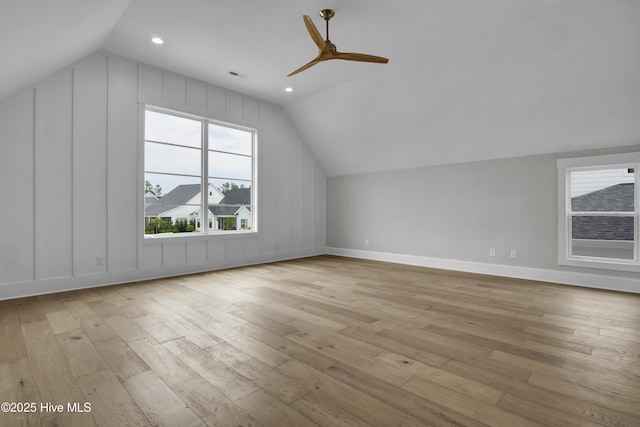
{"x": 320, "y": 213}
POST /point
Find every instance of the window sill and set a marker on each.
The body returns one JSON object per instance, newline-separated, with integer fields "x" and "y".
{"x": 181, "y": 237}
{"x": 590, "y": 262}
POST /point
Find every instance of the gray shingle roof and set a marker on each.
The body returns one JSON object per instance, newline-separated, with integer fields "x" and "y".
{"x": 180, "y": 195}
{"x": 224, "y": 210}
{"x": 232, "y": 201}
{"x": 616, "y": 198}
{"x": 151, "y": 200}
{"x": 176, "y": 197}
{"x": 237, "y": 196}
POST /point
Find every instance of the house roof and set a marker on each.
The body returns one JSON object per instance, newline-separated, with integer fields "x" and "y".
{"x": 150, "y": 200}
{"x": 237, "y": 196}
{"x": 176, "y": 197}
{"x": 224, "y": 210}
{"x": 232, "y": 202}
{"x": 616, "y": 198}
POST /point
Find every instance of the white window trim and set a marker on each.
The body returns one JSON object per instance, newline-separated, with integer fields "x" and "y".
{"x": 207, "y": 231}
{"x": 565, "y": 166}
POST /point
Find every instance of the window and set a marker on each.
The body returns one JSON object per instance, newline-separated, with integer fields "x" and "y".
{"x": 598, "y": 212}
{"x": 198, "y": 174}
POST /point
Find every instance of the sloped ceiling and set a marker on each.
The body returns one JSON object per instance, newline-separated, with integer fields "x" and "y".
{"x": 467, "y": 79}
{"x": 38, "y": 37}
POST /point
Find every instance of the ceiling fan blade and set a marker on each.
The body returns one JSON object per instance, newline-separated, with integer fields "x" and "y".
{"x": 314, "y": 33}
{"x": 317, "y": 60}
{"x": 360, "y": 57}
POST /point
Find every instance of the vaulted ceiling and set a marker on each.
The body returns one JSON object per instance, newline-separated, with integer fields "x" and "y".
{"x": 467, "y": 79}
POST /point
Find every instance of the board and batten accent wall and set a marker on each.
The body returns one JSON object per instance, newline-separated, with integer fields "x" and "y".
{"x": 71, "y": 181}
{"x": 450, "y": 216}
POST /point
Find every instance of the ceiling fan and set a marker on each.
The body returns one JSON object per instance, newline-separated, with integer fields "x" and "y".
{"x": 328, "y": 50}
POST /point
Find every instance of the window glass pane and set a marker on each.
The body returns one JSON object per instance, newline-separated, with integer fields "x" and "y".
{"x": 230, "y": 140}
{"x": 172, "y": 129}
{"x": 609, "y": 190}
{"x": 172, "y": 204}
{"x": 224, "y": 185}
{"x": 222, "y": 165}
{"x": 170, "y": 159}
{"x": 603, "y": 236}
{"x": 185, "y": 221}
{"x": 233, "y": 212}
{"x": 166, "y": 184}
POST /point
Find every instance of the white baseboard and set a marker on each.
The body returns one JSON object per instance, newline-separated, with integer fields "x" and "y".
{"x": 598, "y": 281}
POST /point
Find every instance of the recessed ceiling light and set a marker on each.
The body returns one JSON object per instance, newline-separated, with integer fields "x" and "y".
{"x": 157, "y": 40}
{"x": 288, "y": 89}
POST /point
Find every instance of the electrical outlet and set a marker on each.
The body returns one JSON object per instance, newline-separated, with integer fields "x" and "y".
{"x": 492, "y": 251}
{"x": 514, "y": 253}
{"x": 99, "y": 260}
{"x": 366, "y": 242}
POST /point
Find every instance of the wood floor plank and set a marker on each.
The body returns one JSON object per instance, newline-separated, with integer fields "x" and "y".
{"x": 533, "y": 410}
{"x": 82, "y": 356}
{"x": 473, "y": 409}
{"x": 347, "y": 397}
{"x": 30, "y": 310}
{"x": 96, "y": 328}
{"x": 159, "y": 403}
{"x": 213, "y": 407}
{"x": 225, "y": 379}
{"x": 17, "y": 385}
{"x": 290, "y": 348}
{"x": 122, "y": 360}
{"x": 325, "y": 413}
{"x": 252, "y": 347}
{"x": 267, "y": 378}
{"x": 13, "y": 346}
{"x": 157, "y": 329}
{"x": 111, "y": 404}
{"x": 587, "y": 394}
{"x": 459, "y": 384}
{"x": 271, "y": 412}
{"x": 537, "y": 397}
{"x": 410, "y": 403}
{"x": 51, "y": 372}
{"x": 125, "y": 328}
{"x": 62, "y": 321}
{"x": 167, "y": 365}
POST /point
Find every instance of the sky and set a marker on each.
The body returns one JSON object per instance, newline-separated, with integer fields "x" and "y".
{"x": 172, "y": 145}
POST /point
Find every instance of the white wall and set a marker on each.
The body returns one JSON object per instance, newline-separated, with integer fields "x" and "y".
{"x": 450, "y": 216}
{"x": 71, "y": 181}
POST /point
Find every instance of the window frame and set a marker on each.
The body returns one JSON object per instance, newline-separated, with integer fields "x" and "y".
{"x": 206, "y": 229}
{"x": 565, "y": 213}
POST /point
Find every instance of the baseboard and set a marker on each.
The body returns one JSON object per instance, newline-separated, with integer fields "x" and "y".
{"x": 598, "y": 281}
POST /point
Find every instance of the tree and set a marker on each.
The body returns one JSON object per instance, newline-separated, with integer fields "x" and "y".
{"x": 149, "y": 188}
{"x": 157, "y": 225}
{"x": 228, "y": 186}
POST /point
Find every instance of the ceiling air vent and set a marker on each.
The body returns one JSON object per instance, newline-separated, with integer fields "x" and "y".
{"x": 236, "y": 74}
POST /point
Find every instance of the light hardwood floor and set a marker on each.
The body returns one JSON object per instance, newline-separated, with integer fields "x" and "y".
{"x": 324, "y": 341}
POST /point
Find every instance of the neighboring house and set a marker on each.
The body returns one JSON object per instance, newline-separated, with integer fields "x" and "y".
{"x": 181, "y": 203}
{"x": 604, "y": 236}
{"x": 233, "y": 212}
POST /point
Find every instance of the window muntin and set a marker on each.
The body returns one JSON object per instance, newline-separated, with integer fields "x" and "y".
{"x": 598, "y": 218}
{"x": 174, "y": 163}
